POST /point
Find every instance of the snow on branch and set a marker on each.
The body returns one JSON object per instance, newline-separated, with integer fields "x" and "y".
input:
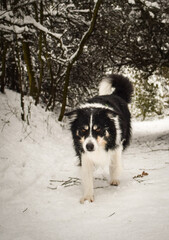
{"x": 86, "y": 34}
{"x": 14, "y": 28}
{"x": 76, "y": 55}
{"x": 28, "y": 20}
{"x": 32, "y": 21}
{"x": 18, "y": 26}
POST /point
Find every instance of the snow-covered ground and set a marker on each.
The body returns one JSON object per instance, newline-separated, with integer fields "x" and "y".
{"x": 40, "y": 184}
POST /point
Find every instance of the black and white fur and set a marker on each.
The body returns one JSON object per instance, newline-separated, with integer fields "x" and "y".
{"x": 101, "y": 129}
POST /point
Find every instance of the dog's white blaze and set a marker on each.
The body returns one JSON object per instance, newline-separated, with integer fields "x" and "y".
{"x": 91, "y": 124}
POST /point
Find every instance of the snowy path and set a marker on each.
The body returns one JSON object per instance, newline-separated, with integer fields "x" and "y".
{"x": 36, "y": 202}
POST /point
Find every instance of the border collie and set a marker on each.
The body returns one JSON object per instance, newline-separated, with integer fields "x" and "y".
{"x": 101, "y": 130}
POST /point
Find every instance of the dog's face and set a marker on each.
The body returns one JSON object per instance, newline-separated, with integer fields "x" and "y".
{"x": 92, "y": 129}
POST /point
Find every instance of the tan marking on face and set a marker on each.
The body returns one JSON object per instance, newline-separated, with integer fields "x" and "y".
{"x": 101, "y": 141}
{"x": 107, "y": 134}
{"x": 77, "y": 133}
{"x": 82, "y": 140}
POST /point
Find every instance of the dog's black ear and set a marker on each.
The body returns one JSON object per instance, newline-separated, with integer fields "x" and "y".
{"x": 71, "y": 115}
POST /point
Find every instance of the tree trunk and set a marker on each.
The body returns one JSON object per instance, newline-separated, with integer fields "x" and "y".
{"x": 76, "y": 56}
{"x": 20, "y": 81}
{"x": 50, "y": 72}
{"x": 51, "y": 102}
{"x": 27, "y": 58}
{"x": 4, "y": 47}
{"x": 40, "y": 56}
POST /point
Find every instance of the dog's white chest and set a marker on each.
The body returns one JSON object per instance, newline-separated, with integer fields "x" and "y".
{"x": 100, "y": 157}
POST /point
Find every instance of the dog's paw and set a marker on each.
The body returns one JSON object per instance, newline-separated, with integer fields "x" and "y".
{"x": 115, "y": 182}
{"x": 87, "y": 198}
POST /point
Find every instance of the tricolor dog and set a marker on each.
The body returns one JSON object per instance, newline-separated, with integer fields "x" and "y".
{"x": 101, "y": 130}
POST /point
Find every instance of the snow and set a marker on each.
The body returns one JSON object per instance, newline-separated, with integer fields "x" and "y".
{"x": 30, "y": 20}
{"x": 8, "y": 16}
{"x": 131, "y": 1}
{"x": 40, "y": 184}
{"x": 152, "y": 4}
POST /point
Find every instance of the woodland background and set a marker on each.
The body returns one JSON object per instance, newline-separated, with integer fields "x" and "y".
{"x": 57, "y": 51}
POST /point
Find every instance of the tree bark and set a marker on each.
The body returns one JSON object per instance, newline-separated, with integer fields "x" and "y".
{"x": 5, "y": 46}
{"x": 20, "y": 81}
{"x": 40, "y": 56}
{"x": 27, "y": 58}
{"x": 76, "y": 55}
{"x": 52, "y": 86}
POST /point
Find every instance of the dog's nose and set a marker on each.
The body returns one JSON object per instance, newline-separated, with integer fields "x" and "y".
{"x": 90, "y": 147}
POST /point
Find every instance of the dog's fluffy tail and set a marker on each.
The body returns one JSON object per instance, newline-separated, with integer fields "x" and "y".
{"x": 116, "y": 85}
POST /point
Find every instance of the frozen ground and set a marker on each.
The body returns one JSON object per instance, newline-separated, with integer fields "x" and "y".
{"x": 40, "y": 183}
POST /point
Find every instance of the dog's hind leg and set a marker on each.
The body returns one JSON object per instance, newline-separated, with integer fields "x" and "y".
{"x": 87, "y": 179}
{"x": 115, "y": 167}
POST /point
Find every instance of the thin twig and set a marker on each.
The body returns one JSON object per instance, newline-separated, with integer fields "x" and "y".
{"x": 25, "y": 210}
{"x": 111, "y": 214}
{"x": 72, "y": 181}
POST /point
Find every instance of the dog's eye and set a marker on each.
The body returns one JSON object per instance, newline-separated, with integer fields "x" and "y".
{"x": 84, "y": 128}
{"x": 98, "y": 129}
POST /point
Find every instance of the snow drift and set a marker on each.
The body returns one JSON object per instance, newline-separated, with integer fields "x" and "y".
{"x": 40, "y": 184}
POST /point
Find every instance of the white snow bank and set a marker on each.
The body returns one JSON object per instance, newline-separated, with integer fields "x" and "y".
{"x": 151, "y": 127}
{"x": 40, "y": 184}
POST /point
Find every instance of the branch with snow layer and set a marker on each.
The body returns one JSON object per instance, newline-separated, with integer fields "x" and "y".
{"x": 39, "y": 26}
{"x": 32, "y": 21}
{"x": 19, "y": 26}
{"x": 86, "y": 35}
{"x": 14, "y": 28}
{"x": 76, "y": 55}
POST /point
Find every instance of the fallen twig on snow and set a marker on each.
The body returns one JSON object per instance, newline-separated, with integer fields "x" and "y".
{"x": 72, "y": 181}
{"x": 25, "y": 210}
{"x": 111, "y": 214}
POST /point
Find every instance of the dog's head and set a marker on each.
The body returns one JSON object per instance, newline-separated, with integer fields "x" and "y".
{"x": 93, "y": 128}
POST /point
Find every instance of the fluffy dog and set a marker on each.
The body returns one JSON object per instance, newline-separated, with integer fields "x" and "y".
{"x": 101, "y": 130}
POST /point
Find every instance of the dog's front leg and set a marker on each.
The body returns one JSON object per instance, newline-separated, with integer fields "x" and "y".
{"x": 115, "y": 167}
{"x": 87, "y": 179}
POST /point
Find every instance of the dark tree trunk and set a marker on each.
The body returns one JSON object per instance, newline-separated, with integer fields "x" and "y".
{"x": 76, "y": 56}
